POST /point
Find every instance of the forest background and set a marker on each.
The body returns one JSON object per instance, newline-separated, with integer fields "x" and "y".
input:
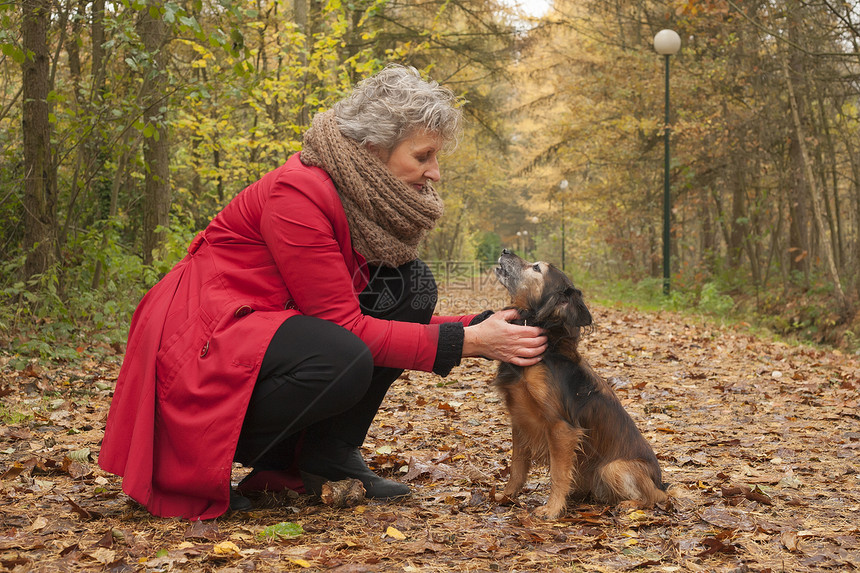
{"x": 126, "y": 125}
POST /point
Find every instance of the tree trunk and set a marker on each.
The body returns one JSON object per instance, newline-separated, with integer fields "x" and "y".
{"x": 96, "y": 152}
{"x": 40, "y": 176}
{"x": 814, "y": 196}
{"x": 73, "y": 50}
{"x": 800, "y": 243}
{"x": 156, "y": 210}
{"x": 113, "y": 200}
{"x": 300, "y": 16}
{"x": 709, "y": 237}
{"x": 739, "y": 222}
{"x": 737, "y": 177}
{"x": 97, "y": 31}
{"x": 854, "y": 242}
{"x": 830, "y": 170}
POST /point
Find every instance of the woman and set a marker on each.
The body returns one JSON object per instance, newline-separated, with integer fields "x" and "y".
{"x": 274, "y": 341}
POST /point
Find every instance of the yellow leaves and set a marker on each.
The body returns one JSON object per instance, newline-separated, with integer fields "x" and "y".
{"x": 638, "y": 515}
{"x": 702, "y": 8}
{"x": 394, "y": 533}
{"x": 226, "y": 549}
{"x": 632, "y": 124}
{"x": 203, "y": 54}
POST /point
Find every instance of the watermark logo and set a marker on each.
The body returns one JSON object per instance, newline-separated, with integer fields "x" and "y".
{"x": 386, "y": 287}
{"x": 464, "y": 284}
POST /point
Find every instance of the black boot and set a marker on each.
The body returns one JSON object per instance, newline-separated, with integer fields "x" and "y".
{"x": 239, "y": 502}
{"x": 340, "y": 462}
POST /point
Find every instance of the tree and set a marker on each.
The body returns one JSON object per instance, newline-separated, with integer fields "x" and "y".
{"x": 154, "y": 102}
{"x": 40, "y": 179}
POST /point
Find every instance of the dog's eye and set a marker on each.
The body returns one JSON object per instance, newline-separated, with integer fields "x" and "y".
{"x": 536, "y": 267}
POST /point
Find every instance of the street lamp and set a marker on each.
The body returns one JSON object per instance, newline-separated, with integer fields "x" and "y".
{"x": 522, "y": 242}
{"x": 666, "y": 43}
{"x": 562, "y": 186}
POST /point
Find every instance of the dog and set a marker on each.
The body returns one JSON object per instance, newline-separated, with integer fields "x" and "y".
{"x": 561, "y": 410}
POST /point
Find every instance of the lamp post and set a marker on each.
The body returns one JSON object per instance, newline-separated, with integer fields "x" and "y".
{"x": 523, "y": 242}
{"x": 562, "y": 186}
{"x": 666, "y": 43}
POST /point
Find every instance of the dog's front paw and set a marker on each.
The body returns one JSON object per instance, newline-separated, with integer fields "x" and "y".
{"x": 549, "y": 512}
{"x": 630, "y": 505}
{"x": 508, "y": 494}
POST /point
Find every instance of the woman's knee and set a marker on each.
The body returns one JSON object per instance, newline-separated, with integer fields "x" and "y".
{"x": 313, "y": 351}
{"x": 312, "y": 369}
{"x": 350, "y": 359}
{"x": 343, "y": 356}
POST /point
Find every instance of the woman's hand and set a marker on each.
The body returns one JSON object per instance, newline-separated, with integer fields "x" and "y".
{"x": 497, "y": 339}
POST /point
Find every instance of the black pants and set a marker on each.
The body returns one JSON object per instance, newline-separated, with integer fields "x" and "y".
{"x": 317, "y": 379}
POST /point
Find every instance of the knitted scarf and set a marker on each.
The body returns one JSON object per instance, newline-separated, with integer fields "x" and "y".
{"x": 387, "y": 218}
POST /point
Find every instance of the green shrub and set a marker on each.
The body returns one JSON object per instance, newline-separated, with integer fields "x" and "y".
{"x": 488, "y": 247}
{"x": 712, "y": 301}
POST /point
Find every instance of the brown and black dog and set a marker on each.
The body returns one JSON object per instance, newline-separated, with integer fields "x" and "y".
{"x": 561, "y": 410}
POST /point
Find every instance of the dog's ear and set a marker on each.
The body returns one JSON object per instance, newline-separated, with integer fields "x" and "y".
{"x": 550, "y": 310}
{"x": 577, "y": 313}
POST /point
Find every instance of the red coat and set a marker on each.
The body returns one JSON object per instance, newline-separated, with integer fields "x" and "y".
{"x": 280, "y": 248}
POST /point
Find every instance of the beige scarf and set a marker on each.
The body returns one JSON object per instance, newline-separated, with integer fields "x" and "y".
{"x": 387, "y": 218}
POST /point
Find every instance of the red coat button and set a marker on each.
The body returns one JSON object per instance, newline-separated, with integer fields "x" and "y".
{"x": 243, "y": 310}
{"x": 205, "y": 350}
{"x": 291, "y": 305}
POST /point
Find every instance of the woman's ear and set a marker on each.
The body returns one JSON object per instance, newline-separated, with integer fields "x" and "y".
{"x": 382, "y": 154}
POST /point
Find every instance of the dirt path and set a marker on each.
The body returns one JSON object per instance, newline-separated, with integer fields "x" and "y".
{"x": 758, "y": 440}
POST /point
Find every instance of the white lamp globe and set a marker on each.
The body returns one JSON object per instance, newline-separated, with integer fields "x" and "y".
{"x": 667, "y": 42}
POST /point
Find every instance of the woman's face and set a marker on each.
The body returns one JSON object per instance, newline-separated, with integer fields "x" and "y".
{"x": 414, "y": 160}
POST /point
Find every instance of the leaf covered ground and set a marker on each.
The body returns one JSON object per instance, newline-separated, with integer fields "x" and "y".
{"x": 758, "y": 440}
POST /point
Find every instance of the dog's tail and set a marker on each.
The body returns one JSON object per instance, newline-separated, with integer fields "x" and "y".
{"x": 623, "y": 480}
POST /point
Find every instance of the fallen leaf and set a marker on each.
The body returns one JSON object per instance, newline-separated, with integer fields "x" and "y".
{"x": 790, "y": 481}
{"x": 102, "y": 555}
{"x": 715, "y": 545}
{"x": 81, "y": 456}
{"x": 84, "y": 513}
{"x": 281, "y": 531}
{"x": 201, "y": 529}
{"x": 728, "y": 519}
{"x": 75, "y": 469}
{"x": 13, "y": 471}
{"x": 789, "y": 540}
{"x": 38, "y": 523}
{"x": 226, "y": 549}
{"x": 106, "y": 540}
{"x": 395, "y": 533}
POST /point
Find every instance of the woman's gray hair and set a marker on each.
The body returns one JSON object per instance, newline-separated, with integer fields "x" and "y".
{"x": 387, "y": 107}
